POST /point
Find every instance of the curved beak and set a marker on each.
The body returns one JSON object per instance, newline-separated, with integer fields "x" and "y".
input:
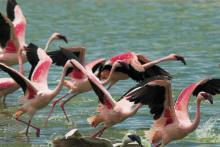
{"x": 136, "y": 138}
{"x": 62, "y": 37}
{"x": 181, "y": 58}
{"x": 210, "y": 99}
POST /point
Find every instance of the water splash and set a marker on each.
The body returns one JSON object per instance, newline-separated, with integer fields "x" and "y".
{"x": 207, "y": 131}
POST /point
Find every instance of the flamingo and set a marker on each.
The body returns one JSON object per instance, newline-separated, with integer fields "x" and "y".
{"x": 12, "y": 33}
{"x": 171, "y": 121}
{"x": 136, "y": 66}
{"x": 110, "y": 111}
{"x": 36, "y": 92}
{"x": 79, "y": 84}
{"x": 120, "y": 64}
{"x": 8, "y": 85}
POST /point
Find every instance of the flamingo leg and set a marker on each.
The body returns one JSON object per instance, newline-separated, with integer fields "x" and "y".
{"x": 99, "y": 133}
{"x": 62, "y": 104}
{"x": 53, "y": 105}
{"x": 29, "y": 124}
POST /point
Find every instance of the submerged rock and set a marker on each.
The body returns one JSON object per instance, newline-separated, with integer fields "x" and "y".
{"x": 74, "y": 139}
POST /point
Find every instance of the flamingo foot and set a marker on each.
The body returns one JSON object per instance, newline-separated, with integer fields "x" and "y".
{"x": 64, "y": 111}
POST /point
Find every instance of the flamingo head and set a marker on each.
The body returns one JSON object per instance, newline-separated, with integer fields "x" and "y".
{"x": 131, "y": 137}
{"x": 178, "y": 58}
{"x": 205, "y": 96}
{"x": 58, "y": 36}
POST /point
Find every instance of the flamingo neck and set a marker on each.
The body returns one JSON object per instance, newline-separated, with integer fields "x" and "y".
{"x": 50, "y": 40}
{"x": 196, "y": 119}
{"x": 60, "y": 84}
{"x": 152, "y": 63}
{"x": 20, "y": 62}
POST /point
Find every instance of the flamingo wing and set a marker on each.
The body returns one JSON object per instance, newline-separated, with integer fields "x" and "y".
{"x": 95, "y": 65}
{"x": 60, "y": 57}
{"x": 8, "y": 39}
{"x": 22, "y": 81}
{"x": 155, "y": 70}
{"x": 103, "y": 95}
{"x": 211, "y": 86}
{"x": 152, "y": 92}
{"x": 15, "y": 14}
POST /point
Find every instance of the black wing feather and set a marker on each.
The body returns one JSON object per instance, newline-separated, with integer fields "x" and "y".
{"x": 211, "y": 86}
{"x": 10, "y": 9}
{"x": 151, "y": 95}
{"x": 98, "y": 92}
{"x": 4, "y": 31}
{"x": 32, "y": 57}
{"x": 18, "y": 79}
{"x": 155, "y": 71}
{"x": 60, "y": 57}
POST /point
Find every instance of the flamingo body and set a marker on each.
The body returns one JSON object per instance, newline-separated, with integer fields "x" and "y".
{"x": 171, "y": 121}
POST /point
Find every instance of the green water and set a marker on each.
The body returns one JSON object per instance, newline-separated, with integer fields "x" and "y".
{"x": 154, "y": 28}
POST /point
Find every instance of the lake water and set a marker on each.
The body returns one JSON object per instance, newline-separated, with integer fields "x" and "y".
{"x": 154, "y": 28}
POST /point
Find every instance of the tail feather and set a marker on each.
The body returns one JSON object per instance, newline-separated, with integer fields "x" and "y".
{"x": 94, "y": 120}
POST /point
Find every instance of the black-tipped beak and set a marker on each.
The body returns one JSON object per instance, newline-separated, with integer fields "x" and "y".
{"x": 62, "y": 37}
{"x": 210, "y": 99}
{"x": 136, "y": 138}
{"x": 181, "y": 58}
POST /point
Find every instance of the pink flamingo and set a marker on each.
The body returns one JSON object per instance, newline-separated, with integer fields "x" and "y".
{"x": 8, "y": 85}
{"x": 172, "y": 122}
{"x": 79, "y": 84}
{"x": 135, "y": 66}
{"x": 110, "y": 111}
{"x": 36, "y": 92}
{"x": 12, "y": 34}
{"x": 120, "y": 64}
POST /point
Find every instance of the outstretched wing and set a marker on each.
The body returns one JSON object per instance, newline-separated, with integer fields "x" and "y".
{"x": 60, "y": 57}
{"x": 152, "y": 92}
{"x": 8, "y": 39}
{"x": 41, "y": 63}
{"x": 22, "y": 81}
{"x": 103, "y": 95}
{"x": 211, "y": 86}
{"x": 15, "y": 14}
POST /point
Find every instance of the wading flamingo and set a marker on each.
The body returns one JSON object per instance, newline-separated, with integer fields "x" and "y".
{"x": 110, "y": 111}
{"x": 36, "y": 92}
{"x": 135, "y": 66}
{"x": 172, "y": 122}
{"x": 8, "y": 85}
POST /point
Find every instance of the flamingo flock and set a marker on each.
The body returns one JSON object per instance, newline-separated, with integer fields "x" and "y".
{"x": 153, "y": 88}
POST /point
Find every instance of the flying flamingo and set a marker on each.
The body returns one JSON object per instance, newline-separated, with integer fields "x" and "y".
{"x": 110, "y": 111}
{"x": 36, "y": 92}
{"x": 79, "y": 84}
{"x": 172, "y": 122}
{"x": 122, "y": 70}
{"x": 120, "y": 64}
{"x": 8, "y": 85}
{"x": 135, "y": 66}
